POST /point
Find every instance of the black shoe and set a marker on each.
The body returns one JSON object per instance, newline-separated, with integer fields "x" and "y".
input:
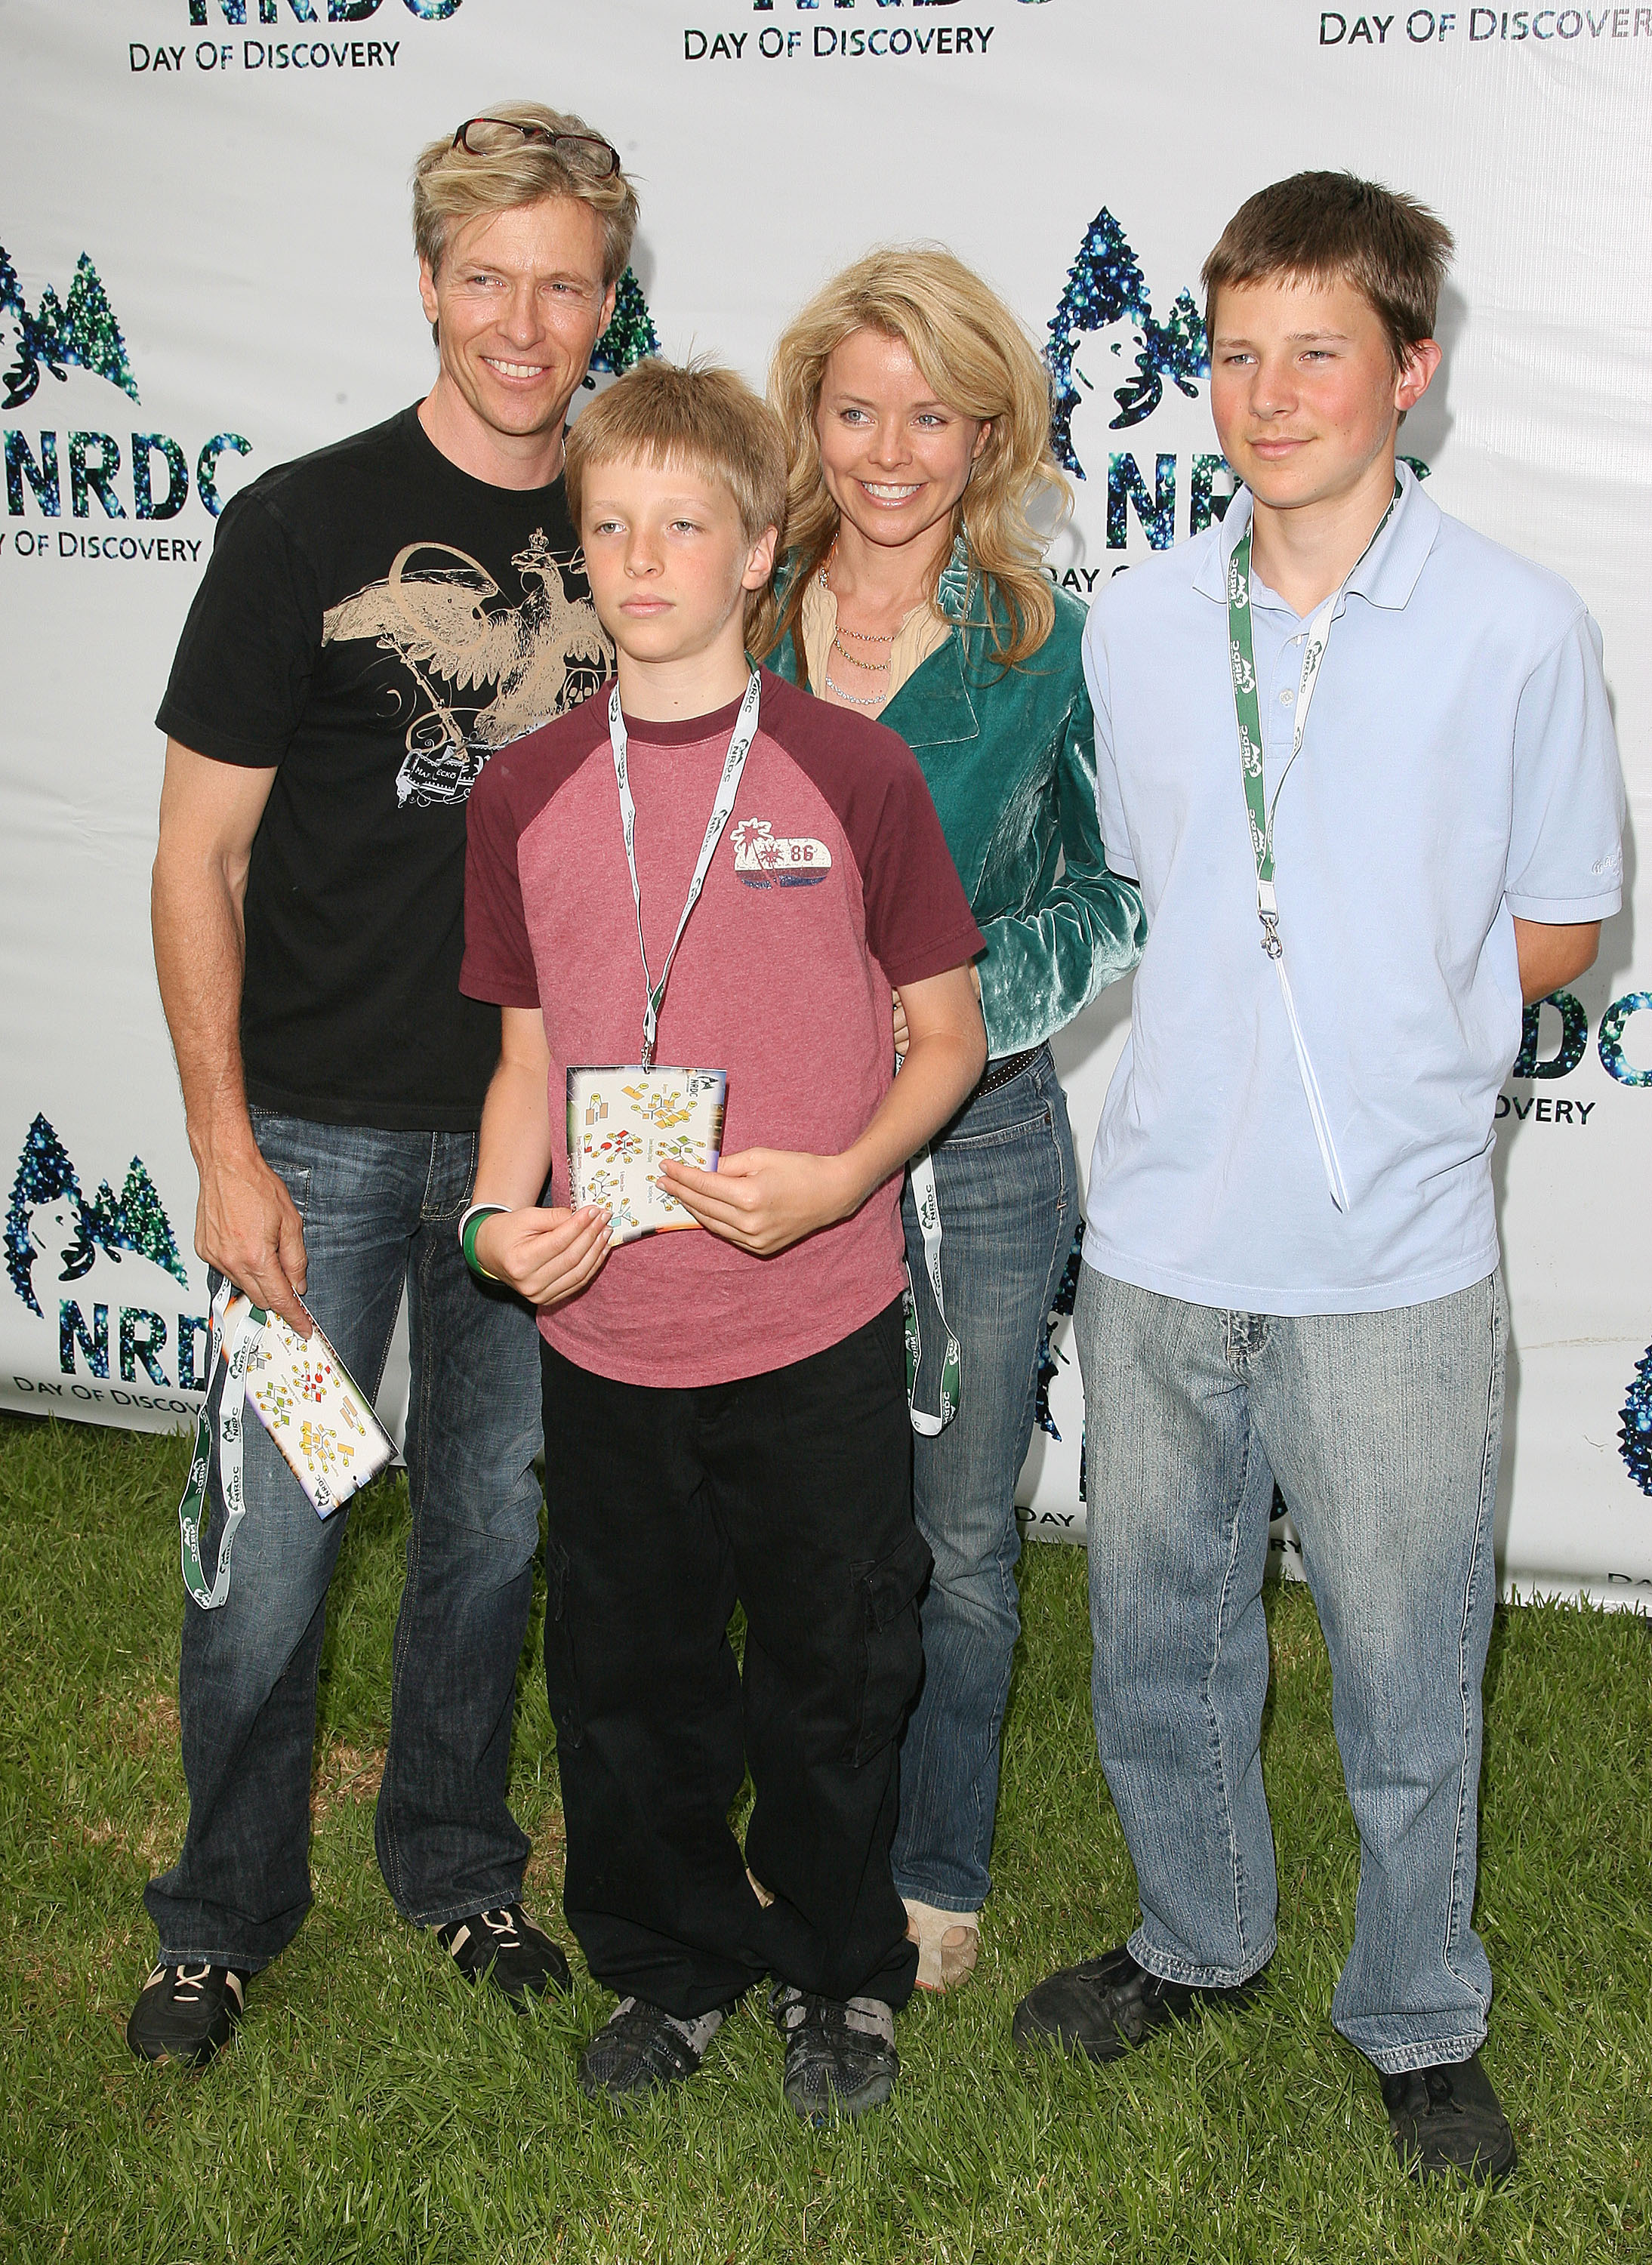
{"x": 1446, "y": 2119}
{"x": 1106, "y": 2005}
{"x": 508, "y": 1950}
{"x": 186, "y": 2011}
{"x": 838, "y": 2057}
{"x": 641, "y": 2049}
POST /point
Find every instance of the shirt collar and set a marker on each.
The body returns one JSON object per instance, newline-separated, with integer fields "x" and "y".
{"x": 1385, "y": 576}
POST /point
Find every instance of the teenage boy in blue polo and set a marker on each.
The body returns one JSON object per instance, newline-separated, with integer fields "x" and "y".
{"x": 1291, "y": 1261}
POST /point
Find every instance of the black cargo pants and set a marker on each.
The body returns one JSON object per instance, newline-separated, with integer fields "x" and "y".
{"x": 791, "y": 1493}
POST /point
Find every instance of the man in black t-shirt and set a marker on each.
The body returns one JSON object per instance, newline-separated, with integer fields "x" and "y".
{"x": 376, "y": 619}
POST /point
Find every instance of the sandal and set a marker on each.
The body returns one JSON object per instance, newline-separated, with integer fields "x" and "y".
{"x": 948, "y": 1942}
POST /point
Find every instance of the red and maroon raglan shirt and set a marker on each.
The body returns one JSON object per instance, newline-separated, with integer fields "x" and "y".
{"x": 831, "y": 882}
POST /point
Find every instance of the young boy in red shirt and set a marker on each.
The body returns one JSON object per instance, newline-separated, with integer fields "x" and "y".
{"x": 726, "y": 1410}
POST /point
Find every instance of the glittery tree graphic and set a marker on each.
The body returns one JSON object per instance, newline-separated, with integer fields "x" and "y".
{"x": 630, "y": 334}
{"x": 84, "y": 334}
{"x": 44, "y": 1175}
{"x": 1105, "y": 285}
{"x": 1634, "y": 1427}
{"x": 136, "y": 1220}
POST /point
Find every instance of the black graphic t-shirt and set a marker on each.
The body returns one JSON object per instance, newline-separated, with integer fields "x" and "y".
{"x": 373, "y": 623}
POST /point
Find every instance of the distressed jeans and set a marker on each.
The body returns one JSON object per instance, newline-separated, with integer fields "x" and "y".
{"x": 1007, "y": 1187}
{"x": 1384, "y": 1431}
{"x": 381, "y": 1211}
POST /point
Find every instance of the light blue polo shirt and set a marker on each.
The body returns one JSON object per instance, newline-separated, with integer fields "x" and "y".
{"x": 1458, "y": 768}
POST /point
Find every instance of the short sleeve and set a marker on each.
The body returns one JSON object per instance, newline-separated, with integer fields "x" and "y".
{"x": 240, "y": 675}
{"x": 917, "y": 918}
{"x": 499, "y": 958}
{"x": 1566, "y": 840}
{"x": 1109, "y": 803}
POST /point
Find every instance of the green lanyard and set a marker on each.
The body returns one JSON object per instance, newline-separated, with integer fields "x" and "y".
{"x": 1241, "y": 655}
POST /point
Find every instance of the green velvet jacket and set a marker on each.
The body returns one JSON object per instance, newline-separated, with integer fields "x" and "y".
{"x": 1011, "y": 759}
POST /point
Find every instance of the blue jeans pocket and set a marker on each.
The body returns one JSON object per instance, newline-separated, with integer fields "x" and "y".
{"x": 892, "y": 1646}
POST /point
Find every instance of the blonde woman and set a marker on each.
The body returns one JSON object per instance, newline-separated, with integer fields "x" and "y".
{"x": 917, "y": 415}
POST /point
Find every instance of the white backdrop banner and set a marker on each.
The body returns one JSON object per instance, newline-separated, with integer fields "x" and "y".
{"x": 206, "y": 268}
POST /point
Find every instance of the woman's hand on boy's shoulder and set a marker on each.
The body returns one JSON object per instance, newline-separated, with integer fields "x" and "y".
{"x": 765, "y": 1199}
{"x": 547, "y": 1257}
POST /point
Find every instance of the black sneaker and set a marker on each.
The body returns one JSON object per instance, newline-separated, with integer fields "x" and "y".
{"x": 506, "y": 1948}
{"x": 641, "y": 2049}
{"x": 1107, "y": 2005}
{"x": 186, "y": 2011}
{"x": 1446, "y": 2119}
{"x": 838, "y": 2057}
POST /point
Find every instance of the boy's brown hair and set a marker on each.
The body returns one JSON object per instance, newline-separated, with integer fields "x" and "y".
{"x": 707, "y": 420}
{"x": 1329, "y": 227}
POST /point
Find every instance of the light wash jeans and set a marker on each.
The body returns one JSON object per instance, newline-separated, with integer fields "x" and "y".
{"x": 381, "y": 1211}
{"x": 1384, "y": 1431}
{"x": 1008, "y": 1195}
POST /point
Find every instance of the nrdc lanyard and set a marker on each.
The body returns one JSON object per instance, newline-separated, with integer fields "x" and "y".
{"x": 191, "y": 1509}
{"x": 928, "y": 1206}
{"x": 1242, "y": 658}
{"x": 728, "y": 786}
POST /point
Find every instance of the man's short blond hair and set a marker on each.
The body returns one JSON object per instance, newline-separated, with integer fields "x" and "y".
{"x": 705, "y": 418}
{"x": 451, "y": 186}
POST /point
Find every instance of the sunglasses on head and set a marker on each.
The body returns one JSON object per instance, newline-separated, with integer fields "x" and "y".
{"x": 589, "y": 153}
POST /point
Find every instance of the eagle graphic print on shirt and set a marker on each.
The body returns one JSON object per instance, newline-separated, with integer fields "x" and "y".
{"x": 483, "y": 672}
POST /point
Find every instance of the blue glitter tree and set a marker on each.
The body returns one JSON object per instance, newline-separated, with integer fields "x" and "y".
{"x": 1634, "y": 1429}
{"x": 44, "y": 1175}
{"x": 1104, "y": 284}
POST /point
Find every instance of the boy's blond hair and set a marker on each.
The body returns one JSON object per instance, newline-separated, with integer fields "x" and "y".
{"x": 455, "y": 184}
{"x": 707, "y": 420}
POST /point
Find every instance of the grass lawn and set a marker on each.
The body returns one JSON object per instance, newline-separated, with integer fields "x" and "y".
{"x": 372, "y": 2108}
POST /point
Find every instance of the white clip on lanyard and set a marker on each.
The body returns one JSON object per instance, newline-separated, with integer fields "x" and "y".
{"x": 728, "y": 786}
{"x": 1246, "y": 714}
{"x": 928, "y": 1202}
{"x": 191, "y": 1510}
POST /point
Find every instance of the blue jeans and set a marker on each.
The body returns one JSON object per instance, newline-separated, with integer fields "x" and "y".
{"x": 1385, "y": 1431}
{"x": 380, "y": 1210}
{"x": 1008, "y": 1196}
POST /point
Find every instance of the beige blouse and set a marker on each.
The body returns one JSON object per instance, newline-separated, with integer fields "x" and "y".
{"x": 923, "y": 631}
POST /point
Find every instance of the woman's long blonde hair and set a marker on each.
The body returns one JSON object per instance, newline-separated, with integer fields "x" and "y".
{"x": 979, "y": 359}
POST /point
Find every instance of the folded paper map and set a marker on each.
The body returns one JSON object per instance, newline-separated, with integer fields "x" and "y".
{"x": 313, "y": 1409}
{"x": 623, "y": 1122}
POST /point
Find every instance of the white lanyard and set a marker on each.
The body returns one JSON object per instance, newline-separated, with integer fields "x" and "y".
{"x": 191, "y": 1510}
{"x": 728, "y": 786}
{"x": 928, "y": 1204}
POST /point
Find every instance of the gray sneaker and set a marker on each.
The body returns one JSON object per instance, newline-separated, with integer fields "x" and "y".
{"x": 641, "y": 2049}
{"x": 838, "y": 2057}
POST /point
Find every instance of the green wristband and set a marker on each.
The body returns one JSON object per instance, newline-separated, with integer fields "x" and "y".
{"x": 470, "y": 1226}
